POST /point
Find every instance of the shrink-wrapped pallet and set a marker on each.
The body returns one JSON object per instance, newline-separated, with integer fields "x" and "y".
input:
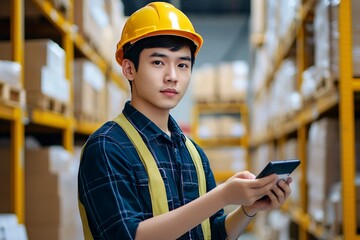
{"x": 204, "y": 84}
{"x": 89, "y": 91}
{"x": 51, "y": 194}
{"x": 232, "y": 80}
{"x": 323, "y": 165}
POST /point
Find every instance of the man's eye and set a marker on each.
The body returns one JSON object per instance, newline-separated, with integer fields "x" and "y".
{"x": 183, "y": 65}
{"x": 157, "y": 62}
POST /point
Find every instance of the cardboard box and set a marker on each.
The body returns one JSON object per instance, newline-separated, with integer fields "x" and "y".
{"x": 93, "y": 21}
{"x": 47, "y": 52}
{"x": 208, "y": 127}
{"x": 116, "y": 98}
{"x": 45, "y": 73}
{"x": 5, "y": 181}
{"x": 51, "y": 194}
{"x": 204, "y": 84}
{"x": 232, "y": 81}
{"x": 231, "y": 159}
{"x": 89, "y": 91}
{"x": 323, "y": 164}
{"x": 65, "y": 232}
{"x": 231, "y": 126}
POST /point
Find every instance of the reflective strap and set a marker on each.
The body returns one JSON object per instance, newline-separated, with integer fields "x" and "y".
{"x": 156, "y": 183}
{"x": 86, "y": 228}
{"x": 205, "y": 225}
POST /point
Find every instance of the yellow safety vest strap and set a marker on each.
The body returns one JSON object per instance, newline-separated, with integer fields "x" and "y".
{"x": 85, "y": 223}
{"x": 156, "y": 183}
{"x": 202, "y": 182}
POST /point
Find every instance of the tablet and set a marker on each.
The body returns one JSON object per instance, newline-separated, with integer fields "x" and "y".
{"x": 283, "y": 168}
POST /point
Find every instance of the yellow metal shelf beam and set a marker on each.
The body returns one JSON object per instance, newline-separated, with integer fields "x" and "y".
{"x": 89, "y": 52}
{"x": 50, "y": 119}
{"x": 8, "y": 113}
{"x": 86, "y": 128}
{"x": 218, "y": 142}
{"x": 312, "y": 111}
{"x": 356, "y": 85}
{"x": 53, "y": 15}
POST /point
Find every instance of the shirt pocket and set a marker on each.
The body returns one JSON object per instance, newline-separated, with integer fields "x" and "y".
{"x": 142, "y": 184}
{"x": 190, "y": 185}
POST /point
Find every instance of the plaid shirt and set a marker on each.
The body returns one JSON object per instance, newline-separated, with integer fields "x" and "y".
{"x": 113, "y": 183}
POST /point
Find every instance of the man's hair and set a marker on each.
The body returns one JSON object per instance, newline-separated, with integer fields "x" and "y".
{"x": 174, "y": 43}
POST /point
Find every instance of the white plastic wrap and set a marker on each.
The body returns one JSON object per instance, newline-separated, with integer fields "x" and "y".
{"x": 10, "y": 73}
{"x": 94, "y": 76}
{"x": 54, "y": 85}
{"x": 10, "y": 229}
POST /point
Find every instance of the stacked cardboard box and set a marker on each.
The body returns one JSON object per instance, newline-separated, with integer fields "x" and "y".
{"x": 44, "y": 71}
{"x": 100, "y": 21}
{"x": 50, "y": 194}
{"x": 5, "y": 181}
{"x": 258, "y": 21}
{"x": 232, "y": 81}
{"x": 326, "y": 33}
{"x": 230, "y": 126}
{"x": 291, "y": 152}
{"x": 323, "y": 164}
{"x": 89, "y": 91}
{"x": 11, "y": 90}
{"x": 204, "y": 84}
{"x": 230, "y": 159}
{"x": 116, "y": 98}
{"x": 226, "y": 82}
{"x": 208, "y": 127}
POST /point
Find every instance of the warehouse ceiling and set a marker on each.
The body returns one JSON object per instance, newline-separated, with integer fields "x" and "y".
{"x": 198, "y": 7}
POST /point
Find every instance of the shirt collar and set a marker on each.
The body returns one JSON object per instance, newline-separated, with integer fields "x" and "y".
{"x": 147, "y": 127}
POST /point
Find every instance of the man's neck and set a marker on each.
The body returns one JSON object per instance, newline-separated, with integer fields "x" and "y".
{"x": 158, "y": 116}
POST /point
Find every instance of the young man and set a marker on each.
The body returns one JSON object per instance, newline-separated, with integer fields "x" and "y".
{"x": 140, "y": 177}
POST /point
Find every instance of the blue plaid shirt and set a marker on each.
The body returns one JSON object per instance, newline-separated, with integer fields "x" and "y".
{"x": 113, "y": 183}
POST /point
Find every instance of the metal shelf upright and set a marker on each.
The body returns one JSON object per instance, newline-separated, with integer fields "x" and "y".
{"x": 59, "y": 121}
{"x": 17, "y": 127}
{"x": 348, "y": 85}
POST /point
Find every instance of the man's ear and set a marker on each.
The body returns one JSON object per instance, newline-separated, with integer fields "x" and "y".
{"x": 128, "y": 69}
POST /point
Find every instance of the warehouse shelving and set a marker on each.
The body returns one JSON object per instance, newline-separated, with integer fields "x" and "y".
{"x": 14, "y": 116}
{"x": 19, "y": 121}
{"x": 340, "y": 100}
{"x": 220, "y": 108}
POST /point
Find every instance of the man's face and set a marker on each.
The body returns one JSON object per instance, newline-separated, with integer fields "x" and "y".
{"x": 162, "y": 79}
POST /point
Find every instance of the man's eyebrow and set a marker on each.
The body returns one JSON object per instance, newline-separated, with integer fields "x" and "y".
{"x": 156, "y": 54}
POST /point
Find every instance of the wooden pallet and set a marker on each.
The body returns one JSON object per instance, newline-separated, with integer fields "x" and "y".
{"x": 278, "y": 122}
{"x": 325, "y": 86}
{"x": 43, "y": 102}
{"x": 11, "y": 96}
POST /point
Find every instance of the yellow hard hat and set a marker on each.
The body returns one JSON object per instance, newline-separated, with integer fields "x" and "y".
{"x": 157, "y": 18}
